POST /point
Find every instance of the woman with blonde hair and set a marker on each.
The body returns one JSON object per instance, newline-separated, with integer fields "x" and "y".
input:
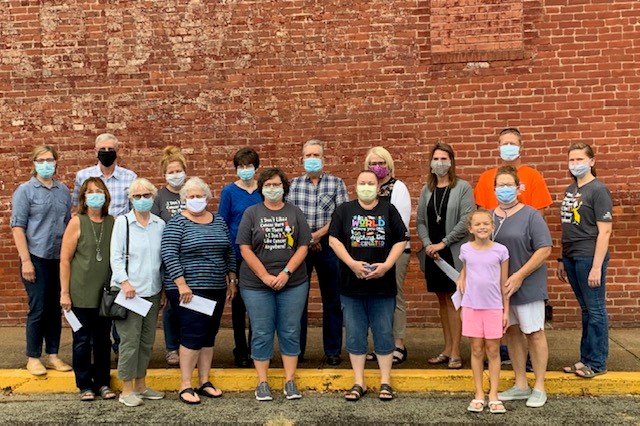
{"x": 41, "y": 209}
{"x": 167, "y": 204}
{"x": 379, "y": 161}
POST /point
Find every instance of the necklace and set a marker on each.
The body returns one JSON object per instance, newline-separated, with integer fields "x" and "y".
{"x": 501, "y": 219}
{"x": 435, "y": 203}
{"x": 98, "y": 240}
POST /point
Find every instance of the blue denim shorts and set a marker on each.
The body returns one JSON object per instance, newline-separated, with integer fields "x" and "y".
{"x": 362, "y": 313}
{"x": 271, "y": 311}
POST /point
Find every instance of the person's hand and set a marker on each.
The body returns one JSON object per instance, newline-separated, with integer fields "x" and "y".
{"x": 268, "y": 279}
{"x": 433, "y": 249}
{"x": 129, "y": 291}
{"x": 185, "y": 293}
{"x": 460, "y": 285}
{"x": 65, "y": 301}
{"x": 280, "y": 281}
{"x": 28, "y": 271}
{"x": 359, "y": 269}
{"x": 315, "y": 247}
{"x": 561, "y": 273}
{"x": 513, "y": 284}
{"x": 232, "y": 290}
{"x": 595, "y": 275}
{"x": 505, "y": 321}
{"x": 377, "y": 270}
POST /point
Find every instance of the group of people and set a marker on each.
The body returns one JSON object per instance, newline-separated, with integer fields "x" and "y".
{"x": 259, "y": 250}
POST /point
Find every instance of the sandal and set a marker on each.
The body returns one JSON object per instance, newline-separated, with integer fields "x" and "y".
{"x": 106, "y": 392}
{"x": 87, "y": 395}
{"x": 587, "y": 372}
{"x": 355, "y": 393}
{"x": 455, "y": 363}
{"x": 476, "y": 406}
{"x": 202, "y": 390}
{"x": 497, "y": 407}
{"x": 386, "y": 392}
{"x": 440, "y": 359}
{"x": 371, "y": 357}
{"x": 401, "y": 355}
{"x": 573, "y": 368}
{"x": 189, "y": 391}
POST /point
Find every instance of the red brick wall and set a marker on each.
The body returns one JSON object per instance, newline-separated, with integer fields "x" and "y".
{"x": 218, "y": 75}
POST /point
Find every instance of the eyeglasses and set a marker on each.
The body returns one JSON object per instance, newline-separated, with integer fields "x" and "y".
{"x": 377, "y": 163}
{"x": 272, "y": 185}
{"x": 138, "y": 196}
{"x": 45, "y": 160}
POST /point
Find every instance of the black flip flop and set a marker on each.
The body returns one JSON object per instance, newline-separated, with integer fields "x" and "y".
{"x": 201, "y": 390}
{"x": 356, "y": 391}
{"x": 386, "y": 392}
{"x": 397, "y": 360}
{"x": 190, "y": 391}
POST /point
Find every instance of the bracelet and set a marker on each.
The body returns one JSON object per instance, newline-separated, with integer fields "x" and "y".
{"x": 312, "y": 241}
{"x": 286, "y": 271}
{"x": 233, "y": 281}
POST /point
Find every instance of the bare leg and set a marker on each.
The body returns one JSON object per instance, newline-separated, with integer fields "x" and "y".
{"x": 539, "y": 356}
{"x": 290, "y": 363}
{"x": 518, "y": 354}
{"x": 384, "y": 362}
{"x": 188, "y": 360}
{"x": 492, "y": 347}
{"x": 140, "y": 384}
{"x": 444, "y": 321}
{"x": 357, "y": 365}
{"x": 455, "y": 327}
{"x": 477, "y": 365}
{"x": 262, "y": 368}
{"x": 127, "y": 387}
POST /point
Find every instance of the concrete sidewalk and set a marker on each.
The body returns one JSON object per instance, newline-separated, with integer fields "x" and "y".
{"x": 413, "y": 375}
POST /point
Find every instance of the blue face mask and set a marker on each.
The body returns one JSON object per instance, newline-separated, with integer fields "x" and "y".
{"x": 506, "y": 194}
{"x": 246, "y": 174}
{"x": 45, "y": 170}
{"x": 509, "y": 152}
{"x": 580, "y": 170}
{"x": 143, "y": 204}
{"x": 95, "y": 201}
{"x": 312, "y": 165}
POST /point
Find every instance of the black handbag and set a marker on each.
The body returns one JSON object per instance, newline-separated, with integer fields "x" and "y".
{"x": 108, "y": 308}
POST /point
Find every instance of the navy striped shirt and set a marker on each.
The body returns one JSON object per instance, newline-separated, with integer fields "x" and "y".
{"x": 201, "y": 253}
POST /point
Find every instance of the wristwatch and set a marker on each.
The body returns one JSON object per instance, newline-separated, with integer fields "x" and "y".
{"x": 287, "y": 271}
{"x": 233, "y": 281}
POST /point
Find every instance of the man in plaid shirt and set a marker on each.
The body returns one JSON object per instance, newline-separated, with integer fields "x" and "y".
{"x": 115, "y": 177}
{"x": 318, "y": 194}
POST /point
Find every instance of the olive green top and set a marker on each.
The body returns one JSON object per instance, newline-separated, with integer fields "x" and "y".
{"x": 87, "y": 273}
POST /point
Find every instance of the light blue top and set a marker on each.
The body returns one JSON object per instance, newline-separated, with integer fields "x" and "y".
{"x": 43, "y": 213}
{"x": 145, "y": 260}
{"x": 117, "y": 184}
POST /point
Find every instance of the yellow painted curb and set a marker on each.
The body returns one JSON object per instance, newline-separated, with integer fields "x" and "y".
{"x": 405, "y": 380}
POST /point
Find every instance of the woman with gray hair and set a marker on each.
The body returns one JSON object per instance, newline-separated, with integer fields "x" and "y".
{"x": 135, "y": 264}
{"x": 199, "y": 260}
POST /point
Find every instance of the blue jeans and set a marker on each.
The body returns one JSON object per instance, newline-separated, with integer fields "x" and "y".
{"x": 171, "y": 326}
{"x": 44, "y": 318}
{"x": 92, "y": 372}
{"x": 327, "y": 268}
{"x": 271, "y": 311}
{"x": 594, "y": 345}
{"x": 363, "y": 312}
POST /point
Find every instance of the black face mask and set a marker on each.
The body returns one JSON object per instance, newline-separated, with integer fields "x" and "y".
{"x": 107, "y": 158}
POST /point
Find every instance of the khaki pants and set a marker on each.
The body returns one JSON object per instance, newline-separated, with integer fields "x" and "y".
{"x": 400, "y": 314}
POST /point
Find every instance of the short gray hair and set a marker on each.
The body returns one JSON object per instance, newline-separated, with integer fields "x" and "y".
{"x": 143, "y": 183}
{"x": 312, "y": 142}
{"x": 106, "y": 137}
{"x": 195, "y": 182}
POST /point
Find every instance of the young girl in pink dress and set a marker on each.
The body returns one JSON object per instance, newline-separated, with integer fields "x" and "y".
{"x": 485, "y": 308}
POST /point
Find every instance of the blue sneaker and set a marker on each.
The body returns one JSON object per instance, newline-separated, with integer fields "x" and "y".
{"x": 263, "y": 392}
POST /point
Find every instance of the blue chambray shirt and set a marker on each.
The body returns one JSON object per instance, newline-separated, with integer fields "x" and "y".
{"x": 43, "y": 213}
{"x": 145, "y": 260}
{"x": 117, "y": 184}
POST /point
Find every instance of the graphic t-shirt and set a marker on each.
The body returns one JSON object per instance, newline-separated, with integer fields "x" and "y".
{"x": 368, "y": 236}
{"x": 274, "y": 236}
{"x": 167, "y": 204}
{"x": 483, "y": 272}
{"x": 533, "y": 189}
{"x": 581, "y": 210}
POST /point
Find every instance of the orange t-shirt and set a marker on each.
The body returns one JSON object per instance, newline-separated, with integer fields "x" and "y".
{"x": 533, "y": 189}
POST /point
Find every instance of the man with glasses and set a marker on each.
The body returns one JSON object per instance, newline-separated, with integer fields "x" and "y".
{"x": 533, "y": 190}
{"x": 318, "y": 194}
{"x": 115, "y": 177}
{"x": 117, "y": 180}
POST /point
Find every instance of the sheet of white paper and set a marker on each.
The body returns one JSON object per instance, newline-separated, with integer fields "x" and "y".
{"x": 136, "y": 304}
{"x": 456, "y": 298}
{"x": 200, "y": 304}
{"x": 72, "y": 319}
{"x": 449, "y": 270}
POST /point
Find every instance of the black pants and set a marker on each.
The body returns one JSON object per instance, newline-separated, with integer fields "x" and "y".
{"x": 92, "y": 375}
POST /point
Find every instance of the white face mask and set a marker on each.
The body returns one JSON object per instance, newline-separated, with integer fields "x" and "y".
{"x": 176, "y": 179}
{"x": 196, "y": 205}
{"x": 273, "y": 194}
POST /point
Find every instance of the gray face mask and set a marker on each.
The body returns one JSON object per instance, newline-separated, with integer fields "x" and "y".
{"x": 439, "y": 167}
